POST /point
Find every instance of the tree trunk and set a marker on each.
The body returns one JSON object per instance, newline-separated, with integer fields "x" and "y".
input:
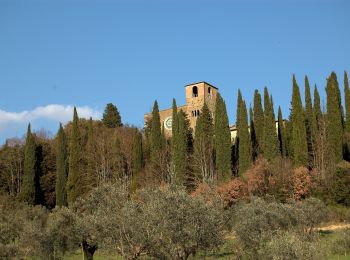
{"x": 88, "y": 250}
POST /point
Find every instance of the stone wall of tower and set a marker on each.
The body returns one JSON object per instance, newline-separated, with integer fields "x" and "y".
{"x": 205, "y": 93}
{"x": 194, "y": 104}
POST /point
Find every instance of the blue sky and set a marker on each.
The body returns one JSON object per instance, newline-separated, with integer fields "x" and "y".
{"x": 57, "y": 54}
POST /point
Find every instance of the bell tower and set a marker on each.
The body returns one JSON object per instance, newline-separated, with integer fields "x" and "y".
{"x": 196, "y": 95}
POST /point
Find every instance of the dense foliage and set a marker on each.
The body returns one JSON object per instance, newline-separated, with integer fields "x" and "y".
{"x": 136, "y": 193}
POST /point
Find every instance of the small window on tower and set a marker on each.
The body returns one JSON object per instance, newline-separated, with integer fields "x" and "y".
{"x": 195, "y": 91}
{"x": 209, "y": 93}
{"x": 197, "y": 112}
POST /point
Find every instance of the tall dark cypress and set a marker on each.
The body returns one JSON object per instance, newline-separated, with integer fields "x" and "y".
{"x": 282, "y": 134}
{"x": 175, "y": 138}
{"x": 182, "y": 148}
{"x": 258, "y": 120}
{"x": 74, "y": 182}
{"x": 334, "y": 120}
{"x": 156, "y": 134}
{"x": 299, "y": 141}
{"x": 61, "y": 168}
{"x": 204, "y": 146}
{"x": 244, "y": 146}
{"x": 254, "y": 142}
{"x": 317, "y": 113}
{"x": 309, "y": 123}
{"x": 137, "y": 153}
{"x": 222, "y": 140}
{"x": 347, "y": 102}
{"x": 271, "y": 146}
{"x": 347, "y": 116}
{"x": 91, "y": 149}
{"x": 28, "y": 190}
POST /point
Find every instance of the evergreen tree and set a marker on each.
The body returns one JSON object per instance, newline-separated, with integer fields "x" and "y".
{"x": 334, "y": 120}
{"x": 61, "y": 168}
{"x": 111, "y": 117}
{"x": 137, "y": 154}
{"x": 222, "y": 140}
{"x": 204, "y": 146}
{"x": 91, "y": 149}
{"x": 317, "y": 113}
{"x": 347, "y": 121}
{"x": 299, "y": 141}
{"x": 243, "y": 142}
{"x": 281, "y": 134}
{"x": 309, "y": 123}
{"x": 347, "y": 102}
{"x": 182, "y": 148}
{"x": 175, "y": 138}
{"x": 28, "y": 190}
{"x": 156, "y": 135}
{"x": 258, "y": 120}
{"x": 74, "y": 182}
{"x": 271, "y": 146}
{"x": 253, "y": 139}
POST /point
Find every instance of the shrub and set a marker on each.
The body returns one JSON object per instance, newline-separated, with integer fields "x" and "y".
{"x": 22, "y": 230}
{"x": 232, "y": 192}
{"x": 341, "y": 245}
{"x": 341, "y": 184}
{"x": 280, "y": 179}
{"x": 169, "y": 224}
{"x": 257, "y": 222}
{"x": 301, "y": 183}
{"x": 292, "y": 245}
{"x": 256, "y": 178}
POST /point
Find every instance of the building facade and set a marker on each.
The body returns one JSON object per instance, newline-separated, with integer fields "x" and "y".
{"x": 196, "y": 95}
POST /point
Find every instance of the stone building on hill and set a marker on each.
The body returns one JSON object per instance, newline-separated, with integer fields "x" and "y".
{"x": 196, "y": 95}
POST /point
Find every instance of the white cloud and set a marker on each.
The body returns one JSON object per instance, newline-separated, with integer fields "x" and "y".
{"x": 53, "y": 112}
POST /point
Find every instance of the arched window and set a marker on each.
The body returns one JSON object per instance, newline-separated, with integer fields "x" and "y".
{"x": 197, "y": 112}
{"x": 195, "y": 91}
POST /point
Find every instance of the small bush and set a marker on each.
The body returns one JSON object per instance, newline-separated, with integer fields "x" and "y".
{"x": 292, "y": 245}
{"x": 341, "y": 245}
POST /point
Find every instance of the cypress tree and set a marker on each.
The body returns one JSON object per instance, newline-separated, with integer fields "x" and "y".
{"x": 137, "y": 154}
{"x": 92, "y": 181}
{"x": 175, "y": 138}
{"x": 299, "y": 141}
{"x": 334, "y": 119}
{"x": 74, "y": 179}
{"x": 111, "y": 117}
{"x": 258, "y": 120}
{"x": 244, "y": 152}
{"x": 28, "y": 190}
{"x": 281, "y": 134}
{"x": 253, "y": 139}
{"x": 182, "y": 148}
{"x": 156, "y": 134}
{"x": 317, "y": 113}
{"x": 271, "y": 146}
{"x": 309, "y": 123}
{"x": 347, "y": 114}
{"x": 61, "y": 168}
{"x": 203, "y": 146}
{"x": 222, "y": 140}
{"x": 347, "y": 102}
